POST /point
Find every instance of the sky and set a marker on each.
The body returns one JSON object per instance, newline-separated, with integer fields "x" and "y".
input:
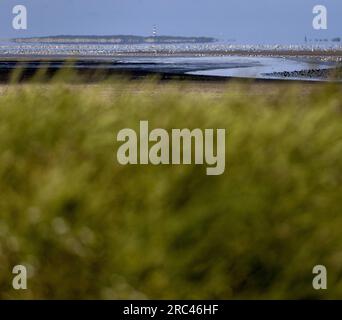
{"x": 246, "y": 21}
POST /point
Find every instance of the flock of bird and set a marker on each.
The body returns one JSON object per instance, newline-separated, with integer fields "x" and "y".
{"x": 117, "y": 49}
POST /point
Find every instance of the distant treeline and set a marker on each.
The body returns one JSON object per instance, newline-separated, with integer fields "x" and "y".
{"x": 118, "y": 39}
{"x": 336, "y": 39}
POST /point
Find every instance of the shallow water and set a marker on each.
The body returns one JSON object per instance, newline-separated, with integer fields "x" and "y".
{"x": 228, "y": 66}
{"x": 221, "y": 66}
{"x": 262, "y": 67}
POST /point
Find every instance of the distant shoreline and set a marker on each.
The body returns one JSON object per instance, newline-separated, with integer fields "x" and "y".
{"x": 115, "y": 39}
{"x": 167, "y": 53}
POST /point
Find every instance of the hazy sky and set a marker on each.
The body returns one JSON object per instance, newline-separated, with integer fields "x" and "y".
{"x": 254, "y": 21}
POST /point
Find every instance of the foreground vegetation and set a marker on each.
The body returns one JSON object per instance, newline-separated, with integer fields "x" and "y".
{"x": 87, "y": 227}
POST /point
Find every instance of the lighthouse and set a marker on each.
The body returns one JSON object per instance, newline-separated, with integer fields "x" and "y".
{"x": 154, "y": 32}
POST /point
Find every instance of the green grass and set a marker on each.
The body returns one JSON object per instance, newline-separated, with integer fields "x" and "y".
{"x": 87, "y": 227}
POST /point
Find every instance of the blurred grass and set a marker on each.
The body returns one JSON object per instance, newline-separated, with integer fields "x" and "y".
{"x": 87, "y": 227}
